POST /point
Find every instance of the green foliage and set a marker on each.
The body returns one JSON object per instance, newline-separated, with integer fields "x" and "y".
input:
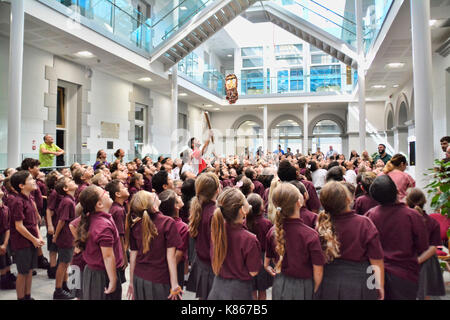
{"x": 439, "y": 188}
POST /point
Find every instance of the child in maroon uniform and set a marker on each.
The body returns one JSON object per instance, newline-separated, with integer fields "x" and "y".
{"x": 365, "y": 202}
{"x": 63, "y": 237}
{"x": 53, "y": 200}
{"x": 8, "y": 280}
{"x": 295, "y": 248}
{"x": 153, "y": 239}
{"x": 82, "y": 177}
{"x": 431, "y": 281}
{"x": 235, "y": 252}
{"x": 403, "y": 236}
{"x": 99, "y": 239}
{"x": 308, "y": 217}
{"x": 25, "y": 236}
{"x": 258, "y": 225}
{"x": 119, "y": 194}
{"x": 170, "y": 206}
{"x": 202, "y": 210}
{"x": 351, "y": 244}
{"x": 136, "y": 184}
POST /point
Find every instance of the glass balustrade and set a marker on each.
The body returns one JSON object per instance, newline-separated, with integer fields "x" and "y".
{"x": 375, "y": 12}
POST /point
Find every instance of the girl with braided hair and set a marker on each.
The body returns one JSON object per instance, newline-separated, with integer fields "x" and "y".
{"x": 351, "y": 244}
{"x": 236, "y": 252}
{"x": 295, "y": 248}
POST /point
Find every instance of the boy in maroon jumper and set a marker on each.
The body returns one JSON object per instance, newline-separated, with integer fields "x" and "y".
{"x": 25, "y": 236}
{"x": 147, "y": 173}
{"x": 259, "y": 188}
{"x": 8, "y": 280}
{"x": 63, "y": 237}
{"x": 32, "y": 165}
{"x": 403, "y": 237}
{"x": 119, "y": 194}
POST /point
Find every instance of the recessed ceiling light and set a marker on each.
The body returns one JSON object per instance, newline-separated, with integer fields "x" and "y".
{"x": 395, "y": 65}
{"x": 183, "y": 8}
{"x": 216, "y": 109}
{"x": 208, "y": 105}
{"x": 145, "y": 79}
{"x": 84, "y": 54}
{"x": 396, "y": 86}
{"x": 432, "y": 22}
{"x": 182, "y": 94}
{"x": 229, "y": 55}
{"x": 379, "y": 86}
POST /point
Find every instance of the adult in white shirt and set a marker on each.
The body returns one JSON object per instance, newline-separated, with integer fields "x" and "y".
{"x": 350, "y": 174}
{"x": 318, "y": 175}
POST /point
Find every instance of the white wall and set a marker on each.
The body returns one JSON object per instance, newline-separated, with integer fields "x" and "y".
{"x": 162, "y": 120}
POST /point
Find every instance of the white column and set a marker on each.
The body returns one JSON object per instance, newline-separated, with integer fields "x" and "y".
{"x": 423, "y": 93}
{"x": 265, "y": 142}
{"x": 361, "y": 76}
{"x": 174, "y": 127}
{"x": 15, "y": 83}
{"x": 305, "y": 128}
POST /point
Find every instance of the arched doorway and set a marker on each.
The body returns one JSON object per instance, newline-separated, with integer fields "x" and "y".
{"x": 288, "y": 134}
{"x": 249, "y": 138}
{"x": 327, "y": 133}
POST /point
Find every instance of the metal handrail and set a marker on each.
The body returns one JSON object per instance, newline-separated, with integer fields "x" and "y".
{"x": 333, "y": 12}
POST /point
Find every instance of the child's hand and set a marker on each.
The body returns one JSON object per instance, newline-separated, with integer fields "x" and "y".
{"x": 54, "y": 239}
{"x": 175, "y": 294}
{"x": 111, "y": 288}
{"x": 50, "y": 230}
{"x": 381, "y": 294}
{"x": 130, "y": 292}
{"x": 270, "y": 271}
{"x": 37, "y": 243}
{"x": 2, "y": 250}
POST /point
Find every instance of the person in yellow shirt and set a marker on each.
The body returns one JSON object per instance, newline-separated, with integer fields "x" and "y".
{"x": 48, "y": 150}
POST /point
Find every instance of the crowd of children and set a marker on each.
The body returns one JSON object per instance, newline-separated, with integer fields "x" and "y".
{"x": 358, "y": 230}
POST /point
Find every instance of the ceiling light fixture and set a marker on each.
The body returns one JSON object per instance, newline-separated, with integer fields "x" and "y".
{"x": 216, "y": 109}
{"x": 208, "y": 105}
{"x": 145, "y": 79}
{"x": 396, "y": 86}
{"x": 183, "y": 8}
{"x": 395, "y": 65}
{"x": 84, "y": 54}
{"x": 182, "y": 94}
{"x": 379, "y": 86}
{"x": 229, "y": 55}
{"x": 432, "y": 23}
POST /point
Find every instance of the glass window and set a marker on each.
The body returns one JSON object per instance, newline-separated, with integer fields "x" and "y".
{"x": 289, "y": 128}
{"x": 252, "y": 62}
{"x": 326, "y": 127}
{"x": 251, "y": 51}
{"x": 248, "y": 138}
{"x": 289, "y": 49}
{"x": 283, "y": 81}
{"x": 323, "y": 59}
{"x": 139, "y": 114}
{"x": 289, "y": 60}
{"x": 325, "y": 78}
{"x": 296, "y": 80}
{"x": 252, "y": 81}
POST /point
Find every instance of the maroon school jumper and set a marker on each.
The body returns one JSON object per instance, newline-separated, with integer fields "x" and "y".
{"x": 358, "y": 237}
{"x": 117, "y": 211}
{"x": 80, "y": 189}
{"x": 313, "y": 202}
{"x": 302, "y": 249}
{"x": 403, "y": 236}
{"x": 434, "y": 230}
{"x": 203, "y": 239}
{"x": 66, "y": 213}
{"x": 152, "y": 265}
{"x": 243, "y": 254}
{"x": 132, "y": 191}
{"x": 4, "y": 220}
{"x": 364, "y": 203}
{"x": 77, "y": 259}
{"x": 53, "y": 201}
{"x": 308, "y": 217}
{"x": 183, "y": 231}
{"x": 21, "y": 208}
{"x": 148, "y": 184}
{"x": 259, "y": 188}
{"x": 38, "y": 200}
{"x": 102, "y": 233}
{"x": 261, "y": 226}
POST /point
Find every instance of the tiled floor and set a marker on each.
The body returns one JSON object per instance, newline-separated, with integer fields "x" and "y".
{"x": 43, "y": 287}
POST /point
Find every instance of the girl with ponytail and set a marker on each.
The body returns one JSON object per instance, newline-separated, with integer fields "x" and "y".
{"x": 153, "y": 239}
{"x": 98, "y": 238}
{"x": 236, "y": 253}
{"x": 201, "y": 212}
{"x": 351, "y": 244}
{"x": 431, "y": 282}
{"x": 395, "y": 169}
{"x": 294, "y": 247}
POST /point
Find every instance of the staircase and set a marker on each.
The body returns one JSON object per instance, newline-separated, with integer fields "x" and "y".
{"x": 201, "y": 27}
{"x": 269, "y": 11}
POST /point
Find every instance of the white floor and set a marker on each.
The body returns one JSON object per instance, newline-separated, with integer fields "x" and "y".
{"x": 43, "y": 287}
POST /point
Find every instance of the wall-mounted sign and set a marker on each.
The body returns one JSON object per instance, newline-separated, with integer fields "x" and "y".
{"x": 110, "y": 130}
{"x": 109, "y": 145}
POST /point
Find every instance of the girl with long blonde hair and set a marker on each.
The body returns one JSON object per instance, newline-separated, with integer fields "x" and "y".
{"x": 294, "y": 248}
{"x": 152, "y": 239}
